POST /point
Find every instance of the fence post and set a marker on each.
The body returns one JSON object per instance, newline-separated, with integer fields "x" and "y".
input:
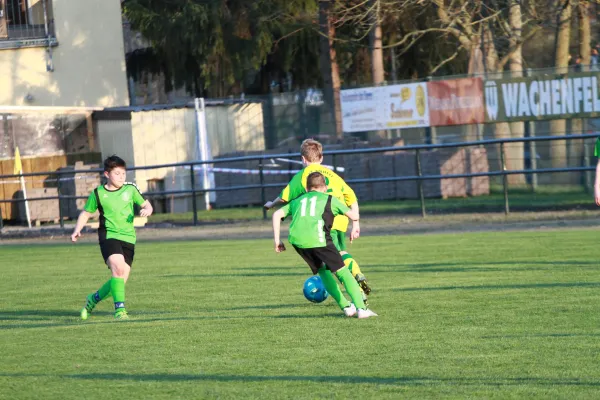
{"x": 504, "y": 179}
{"x": 334, "y": 164}
{"x": 1, "y": 220}
{"x": 194, "y": 204}
{"x": 533, "y": 155}
{"x": 60, "y": 213}
{"x": 586, "y": 163}
{"x": 420, "y": 184}
{"x": 263, "y": 197}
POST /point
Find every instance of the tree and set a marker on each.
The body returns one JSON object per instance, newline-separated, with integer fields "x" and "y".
{"x": 207, "y": 46}
{"x": 329, "y": 66}
{"x": 575, "y": 150}
{"x": 558, "y": 148}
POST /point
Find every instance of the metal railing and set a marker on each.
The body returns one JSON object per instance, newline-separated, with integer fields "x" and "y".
{"x": 419, "y": 177}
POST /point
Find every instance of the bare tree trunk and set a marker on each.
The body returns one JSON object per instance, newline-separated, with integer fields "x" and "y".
{"x": 502, "y": 129}
{"x": 517, "y": 129}
{"x": 375, "y": 43}
{"x": 558, "y": 148}
{"x": 578, "y": 124}
{"x": 585, "y": 34}
{"x": 375, "y": 47}
{"x": 329, "y": 66}
{"x": 475, "y": 131}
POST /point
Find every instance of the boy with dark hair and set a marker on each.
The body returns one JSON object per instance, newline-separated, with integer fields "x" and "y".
{"x": 312, "y": 157}
{"x": 313, "y": 214}
{"x": 116, "y": 233}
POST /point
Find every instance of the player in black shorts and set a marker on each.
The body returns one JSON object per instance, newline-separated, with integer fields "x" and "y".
{"x": 116, "y": 233}
{"x": 310, "y": 234}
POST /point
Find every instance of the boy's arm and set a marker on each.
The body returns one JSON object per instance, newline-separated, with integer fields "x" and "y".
{"x": 81, "y": 221}
{"x": 597, "y": 184}
{"x": 277, "y": 216}
{"x": 146, "y": 209}
{"x": 289, "y": 193}
{"x": 270, "y": 204}
{"x": 354, "y": 216}
{"x": 355, "y": 233}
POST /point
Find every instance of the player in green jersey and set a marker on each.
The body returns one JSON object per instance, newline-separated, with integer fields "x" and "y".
{"x": 312, "y": 157}
{"x": 310, "y": 234}
{"x": 116, "y": 233}
{"x": 597, "y": 180}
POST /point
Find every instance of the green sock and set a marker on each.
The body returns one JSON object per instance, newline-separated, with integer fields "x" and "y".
{"x": 332, "y": 287}
{"x": 117, "y": 288}
{"x": 352, "y": 288}
{"x": 103, "y": 292}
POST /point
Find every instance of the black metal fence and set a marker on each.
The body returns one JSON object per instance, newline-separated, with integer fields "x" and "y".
{"x": 502, "y": 174}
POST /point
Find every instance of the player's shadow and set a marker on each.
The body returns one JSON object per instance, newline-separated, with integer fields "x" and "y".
{"x": 248, "y": 275}
{"x": 477, "y": 267}
{"x": 277, "y": 267}
{"x": 38, "y": 315}
{"x": 353, "y": 379}
{"x": 507, "y": 286}
{"x": 542, "y": 335}
{"x": 264, "y": 307}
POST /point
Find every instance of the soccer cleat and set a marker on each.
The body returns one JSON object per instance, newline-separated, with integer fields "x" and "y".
{"x": 366, "y": 313}
{"x": 121, "y": 314}
{"x": 362, "y": 282}
{"x": 90, "y": 303}
{"x": 350, "y": 311}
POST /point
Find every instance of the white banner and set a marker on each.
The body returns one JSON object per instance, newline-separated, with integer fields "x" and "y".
{"x": 360, "y": 110}
{"x": 385, "y": 107}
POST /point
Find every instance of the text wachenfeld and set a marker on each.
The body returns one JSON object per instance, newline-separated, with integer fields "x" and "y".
{"x": 544, "y": 98}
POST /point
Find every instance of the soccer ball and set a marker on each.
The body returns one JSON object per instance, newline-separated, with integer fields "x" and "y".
{"x": 314, "y": 290}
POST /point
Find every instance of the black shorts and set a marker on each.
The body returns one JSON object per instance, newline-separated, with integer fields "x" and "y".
{"x": 317, "y": 256}
{"x": 109, "y": 247}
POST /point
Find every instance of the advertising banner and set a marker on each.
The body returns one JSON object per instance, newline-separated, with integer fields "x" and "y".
{"x": 385, "y": 107}
{"x": 547, "y": 97}
{"x": 360, "y": 110}
{"x": 405, "y": 106}
{"x": 456, "y": 102}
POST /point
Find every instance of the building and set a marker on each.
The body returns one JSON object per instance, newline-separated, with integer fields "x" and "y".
{"x": 62, "y": 53}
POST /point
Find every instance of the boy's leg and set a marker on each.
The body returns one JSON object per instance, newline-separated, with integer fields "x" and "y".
{"x": 120, "y": 272}
{"x": 352, "y": 265}
{"x": 345, "y": 276}
{"x": 339, "y": 240}
{"x": 316, "y": 266}
{"x": 334, "y": 261}
{"x": 333, "y": 288}
{"x": 107, "y": 248}
{"x": 119, "y": 260}
{"x": 93, "y": 299}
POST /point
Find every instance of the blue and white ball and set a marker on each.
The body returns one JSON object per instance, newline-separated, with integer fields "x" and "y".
{"x": 314, "y": 290}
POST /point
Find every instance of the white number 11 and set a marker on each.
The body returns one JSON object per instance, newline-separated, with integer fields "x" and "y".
{"x": 313, "y": 206}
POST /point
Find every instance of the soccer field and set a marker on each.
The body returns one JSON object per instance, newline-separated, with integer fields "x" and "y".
{"x": 477, "y": 315}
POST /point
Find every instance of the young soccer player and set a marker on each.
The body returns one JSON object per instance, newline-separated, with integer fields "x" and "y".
{"x": 116, "y": 233}
{"x": 312, "y": 157}
{"x": 310, "y": 233}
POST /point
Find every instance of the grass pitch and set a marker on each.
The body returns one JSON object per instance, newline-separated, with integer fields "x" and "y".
{"x": 494, "y": 315}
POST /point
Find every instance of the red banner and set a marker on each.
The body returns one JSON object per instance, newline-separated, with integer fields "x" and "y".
{"x": 456, "y": 102}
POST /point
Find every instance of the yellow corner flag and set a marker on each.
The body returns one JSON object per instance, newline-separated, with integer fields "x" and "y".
{"x": 18, "y": 165}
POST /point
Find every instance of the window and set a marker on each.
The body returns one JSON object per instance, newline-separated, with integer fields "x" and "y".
{"x": 24, "y": 20}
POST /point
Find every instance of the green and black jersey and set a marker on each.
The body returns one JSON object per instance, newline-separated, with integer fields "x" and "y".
{"x": 312, "y": 218}
{"x": 116, "y": 211}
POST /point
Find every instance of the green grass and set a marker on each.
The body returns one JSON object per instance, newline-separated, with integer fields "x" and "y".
{"x": 494, "y": 315}
{"x": 520, "y": 199}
